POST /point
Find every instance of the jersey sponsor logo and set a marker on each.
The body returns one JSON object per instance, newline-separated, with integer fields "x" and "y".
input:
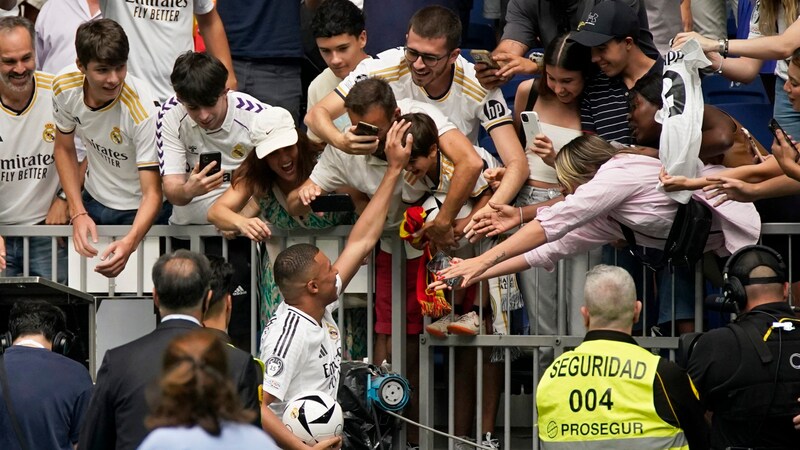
{"x": 274, "y": 366}
{"x": 22, "y": 168}
{"x": 116, "y": 135}
{"x": 110, "y": 156}
{"x": 49, "y": 133}
{"x": 493, "y": 109}
{"x": 158, "y": 10}
{"x": 238, "y": 151}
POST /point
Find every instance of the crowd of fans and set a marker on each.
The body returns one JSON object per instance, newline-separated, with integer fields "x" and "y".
{"x": 109, "y": 117}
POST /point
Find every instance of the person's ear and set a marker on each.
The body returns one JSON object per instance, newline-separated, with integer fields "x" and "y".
{"x": 453, "y": 55}
{"x": 637, "y": 311}
{"x": 585, "y": 314}
{"x": 228, "y": 303}
{"x": 362, "y": 39}
{"x": 312, "y": 286}
{"x": 155, "y": 298}
{"x": 81, "y": 67}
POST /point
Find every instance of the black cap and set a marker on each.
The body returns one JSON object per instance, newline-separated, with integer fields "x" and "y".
{"x": 750, "y": 257}
{"x": 607, "y": 20}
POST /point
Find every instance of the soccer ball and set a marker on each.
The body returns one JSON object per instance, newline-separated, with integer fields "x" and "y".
{"x": 313, "y": 416}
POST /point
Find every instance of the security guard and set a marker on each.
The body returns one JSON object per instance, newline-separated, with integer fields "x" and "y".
{"x": 748, "y": 373}
{"x": 611, "y": 393}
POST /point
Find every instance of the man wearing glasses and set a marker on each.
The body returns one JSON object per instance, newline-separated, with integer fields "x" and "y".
{"x": 430, "y": 70}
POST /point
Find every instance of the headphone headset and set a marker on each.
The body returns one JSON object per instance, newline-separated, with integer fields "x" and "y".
{"x": 62, "y": 341}
{"x": 733, "y": 288}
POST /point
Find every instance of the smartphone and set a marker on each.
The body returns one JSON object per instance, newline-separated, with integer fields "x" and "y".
{"x": 774, "y": 126}
{"x": 530, "y": 125}
{"x": 366, "y": 129}
{"x": 484, "y": 56}
{"x": 333, "y": 203}
{"x": 207, "y": 157}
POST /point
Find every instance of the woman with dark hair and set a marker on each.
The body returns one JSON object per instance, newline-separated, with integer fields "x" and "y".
{"x": 268, "y": 175}
{"x": 606, "y": 188}
{"x": 197, "y": 406}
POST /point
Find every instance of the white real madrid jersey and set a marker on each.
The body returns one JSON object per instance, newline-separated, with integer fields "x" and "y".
{"x": 180, "y": 140}
{"x": 28, "y": 176}
{"x": 119, "y": 137}
{"x": 466, "y": 104}
{"x": 158, "y": 31}
{"x": 299, "y": 355}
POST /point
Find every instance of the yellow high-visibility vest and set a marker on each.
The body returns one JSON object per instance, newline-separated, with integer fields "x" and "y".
{"x": 600, "y": 396}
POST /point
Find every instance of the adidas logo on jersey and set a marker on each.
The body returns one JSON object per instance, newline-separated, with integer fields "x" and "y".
{"x": 239, "y": 291}
{"x": 322, "y": 352}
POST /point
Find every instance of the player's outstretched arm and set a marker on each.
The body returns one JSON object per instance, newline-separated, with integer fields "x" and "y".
{"x": 369, "y": 226}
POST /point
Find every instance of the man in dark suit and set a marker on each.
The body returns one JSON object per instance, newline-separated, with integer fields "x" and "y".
{"x": 118, "y": 407}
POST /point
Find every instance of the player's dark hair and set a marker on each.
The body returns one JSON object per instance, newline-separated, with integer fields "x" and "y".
{"x": 335, "y": 17}
{"x": 103, "y": 41}
{"x": 437, "y": 21}
{"x": 221, "y": 284}
{"x": 9, "y": 23}
{"x": 424, "y": 132}
{"x": 293, "y": 262}
{"x": 258, "y": 176}
{"x": 194, "y": 386}
{"x": 181, "y": 280}
{"x": 649, "y": 88}
{"x": 371, "y": 92}
{"x": 30, "y": 317}
{"x": 198, "y": 78}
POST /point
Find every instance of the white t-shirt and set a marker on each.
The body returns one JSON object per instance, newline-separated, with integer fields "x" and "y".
{"x": 299, "y": 355}
{"x": 336, "y": 169}
{"x": 323, "y": 85}
{"x": 120, "y": 137}
{"x": 28, "y": 176}
{"x": 180, "y": 140}
{"x": 158, "y": 32}
{"x": 55, "y": 33}
{"x": 467, "y": 104}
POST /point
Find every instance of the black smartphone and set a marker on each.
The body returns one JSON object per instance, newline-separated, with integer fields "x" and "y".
{"x": 366, "y": 129}
{"x": 333, "y": 203}
{"x": 207, "y": 157}
{"x": 774, "y": 126}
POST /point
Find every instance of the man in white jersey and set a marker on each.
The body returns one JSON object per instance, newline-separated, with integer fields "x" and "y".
{"x": 28, "y": 177}
{"x": 430, "y": 69}
{"x": 160, "y": 30}
{"x": 114, "y": 115}
{"x": 205, "y": 117}
{"x": 301, "y": 345}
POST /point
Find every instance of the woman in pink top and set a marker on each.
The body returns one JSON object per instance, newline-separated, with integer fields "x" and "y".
{"x": 607, "y": 187}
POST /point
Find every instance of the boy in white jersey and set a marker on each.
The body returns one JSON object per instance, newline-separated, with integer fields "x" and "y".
{"x": 205, "y": 117}
{"x": 114, "y": 115}
{"x": 338, "y": 28}
{"x": 301, "y": 346}
{"x": 161, "y": 30}
{"x": 28, "y": 177}
{"x": 430, "y": 69}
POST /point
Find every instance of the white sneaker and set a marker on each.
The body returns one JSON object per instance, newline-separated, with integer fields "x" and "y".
{"x": 438, "y": 329}
{"x": 467, "y": 325}
{"x": 462, "y": 446}
{"x": 489, "y": 442}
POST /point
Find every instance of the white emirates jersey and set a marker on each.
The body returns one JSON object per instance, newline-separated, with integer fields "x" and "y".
{"x": 28, "y": 176}
{"x": 299, "y": 355}
{"x": 158, "y": 32}
{"x": 180, "y": 140}
{"x": 120, "y": 137}
{"x": 466, "y": 104}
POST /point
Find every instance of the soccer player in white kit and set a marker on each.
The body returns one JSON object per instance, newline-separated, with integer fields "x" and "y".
{"x": 114, "y": 115}
{"x": 301, "y": 346}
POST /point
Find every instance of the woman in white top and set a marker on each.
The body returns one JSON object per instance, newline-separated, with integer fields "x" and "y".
{"x": 197, "y": 406}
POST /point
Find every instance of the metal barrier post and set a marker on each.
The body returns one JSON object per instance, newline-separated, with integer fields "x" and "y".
{"x": 399, "y": 321}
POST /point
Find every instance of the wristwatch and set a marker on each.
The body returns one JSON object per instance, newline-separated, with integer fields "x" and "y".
{"x": 538, "y": 58}
{"x": 61, "y": 194}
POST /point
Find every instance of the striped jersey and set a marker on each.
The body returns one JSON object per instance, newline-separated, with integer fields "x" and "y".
{"x": 299, "y": 355}
{"x": 467, "y": 104}
{"x": 119, "y": 137}
{"x": 28, "y": 177}
{"x": 180, "y": 140}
